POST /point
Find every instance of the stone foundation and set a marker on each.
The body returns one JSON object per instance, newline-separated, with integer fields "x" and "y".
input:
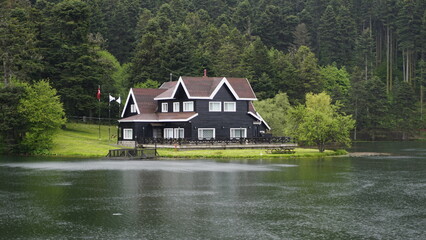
{"x": 126, "y": 143}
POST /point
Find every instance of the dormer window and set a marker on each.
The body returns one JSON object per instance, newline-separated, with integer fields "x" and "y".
{"x": 176, "y": 107}
{"x": 229, "y": 107}
{"x": 188, "y": 106}
{"x": 164, "y": 107}
{"x": 132, "y": 108}
{"x": 215, "y": 106}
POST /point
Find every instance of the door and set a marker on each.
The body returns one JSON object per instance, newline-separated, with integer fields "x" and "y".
{"x": 157, "y": 133}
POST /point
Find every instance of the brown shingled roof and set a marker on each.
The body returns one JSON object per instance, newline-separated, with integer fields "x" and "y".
{"x": 204, "y": 87}
{"x": 145, "y": 99}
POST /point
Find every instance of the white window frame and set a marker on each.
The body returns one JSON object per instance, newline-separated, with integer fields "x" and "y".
{"x": 167, "y": 132}
{"x": 132, "y": 108}
{"x": 188, "y": 106}
{"x": 234, "y": 108}
{"x": 179, "y": 133}
{"x": 174, "y": 133}
{"x": 200, "y": 131}
{"x": 127, "y": 133}
{"x": 232, "y": 133}
{"x": 212, "y": 104}
{"x": 176, "y": 107}
{"x": 164, "y": 107}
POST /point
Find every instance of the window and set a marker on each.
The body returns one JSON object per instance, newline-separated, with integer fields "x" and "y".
{"x": 127, "y": 133}
{"x": 164, "y": 107}
{"x": 188, "y": 106}
{"x": 132, "y": 108}
{"x": 206, "y": 133}
{"x": 179, "y": 133}
{"x": 229, "y": 107}
{"x": 215, "y": 106}
{"x": 168, "y": 132}
{"x": 176, "y": 107}
{"x": 174, "y": 133}
{"x": 238, "y": 133}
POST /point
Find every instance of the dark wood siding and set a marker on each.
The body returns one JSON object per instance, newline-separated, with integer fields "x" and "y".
{"x": 127, "y": 112}
{"x": 179, "y": 97}
{"x": 223, "y": 121}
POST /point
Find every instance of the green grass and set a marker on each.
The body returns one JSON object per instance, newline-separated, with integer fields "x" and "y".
{"x": 82, "y": 140}
{"x": 244, "y": 153}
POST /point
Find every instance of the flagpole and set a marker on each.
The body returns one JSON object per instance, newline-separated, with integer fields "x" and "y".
{"x": 109, "y": 116}
{"x": 99, "y": 98}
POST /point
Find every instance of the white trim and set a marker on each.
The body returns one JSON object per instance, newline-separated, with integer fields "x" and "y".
{"x": 176, "y": 107}
{"x": 179, "y": 82}
{"x": 163, "y": 120}
{"x": 186, "y": 110}
{"x": 258, "y": 117}
{"x": 233, "y": 110}
{"x": 223, "y": 81}
{"x": 164, "y": 107}
{"x": 168, "y": 130}
{"x": 233, "y": 129}
{"x": 129, "y": 131}
{"x": 176, "y": 132}
{"x": 127, "y": 101}
{"x": 201, "y": 129}
{"x": 215, "y": 102}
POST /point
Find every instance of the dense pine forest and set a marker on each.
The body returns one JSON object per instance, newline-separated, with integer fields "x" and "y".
{"x": 368, "y": 55}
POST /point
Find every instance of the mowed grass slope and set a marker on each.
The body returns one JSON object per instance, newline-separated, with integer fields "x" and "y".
{"x": 83, "y": 140}
{"x": 244, "y": 153}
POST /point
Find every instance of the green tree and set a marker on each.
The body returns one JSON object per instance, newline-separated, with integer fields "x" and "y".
{"x": 18, "y": 53}
{"x": 336, "y": 82}
{"x": 12, "y": 123}
{"x": 147, "y": 84}
{"x": 319, "y": 122}
{"x": 274, "y": 112}
{"x": 44, "y": 113}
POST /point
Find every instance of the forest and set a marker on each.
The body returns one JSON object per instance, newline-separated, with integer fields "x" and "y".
{"x": 368, "y": 55}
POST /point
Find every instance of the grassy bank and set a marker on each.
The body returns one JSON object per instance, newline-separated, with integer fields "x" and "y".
{"x": 244, "y": 153}
{"x": 82, "y": 140}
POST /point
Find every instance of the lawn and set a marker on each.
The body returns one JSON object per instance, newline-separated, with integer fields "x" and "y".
{"x": 244, "y": 153}
{"x": 79, "y": 139}
{"x": 82, "y": 140}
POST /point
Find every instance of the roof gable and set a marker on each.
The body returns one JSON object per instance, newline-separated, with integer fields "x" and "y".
{"x": 207, "y": 88}
{"x": 143, "y": 99}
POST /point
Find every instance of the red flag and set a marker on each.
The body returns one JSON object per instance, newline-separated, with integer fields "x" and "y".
{"x": 98, "y": 94}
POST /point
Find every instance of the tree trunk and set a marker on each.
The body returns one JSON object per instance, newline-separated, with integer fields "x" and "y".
{"x": 387, "y": 58}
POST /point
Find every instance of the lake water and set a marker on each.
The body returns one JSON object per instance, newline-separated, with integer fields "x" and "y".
{"x": 329, "y": 198}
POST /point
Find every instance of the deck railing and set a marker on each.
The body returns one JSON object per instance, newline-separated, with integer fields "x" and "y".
{"x": 226, "y": 141}
{"x": 132, "y": 153}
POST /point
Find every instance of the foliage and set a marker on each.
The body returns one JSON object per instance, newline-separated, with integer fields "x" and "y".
{"x": 12, "y": 123}
{"x": 280, "y": 46}
{"x": 44, "y": 114}
{"x": 274, "y": 112}
{"x": 336, "y": 82}
{"x": 147, "y": 84}
{"x": 319, "y": 122}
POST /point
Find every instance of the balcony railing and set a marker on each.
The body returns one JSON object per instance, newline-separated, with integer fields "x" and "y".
{"x": 226, "y": 141}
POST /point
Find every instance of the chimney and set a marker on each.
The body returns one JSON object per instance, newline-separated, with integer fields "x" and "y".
{"x": 205, "y": 72}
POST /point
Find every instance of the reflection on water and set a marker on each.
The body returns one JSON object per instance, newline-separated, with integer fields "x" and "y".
{"x": 334, "y": 198}
{"x": 171, "y": 166}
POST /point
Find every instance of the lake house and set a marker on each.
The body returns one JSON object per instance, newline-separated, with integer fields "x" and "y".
{"x": 192, "y": 108}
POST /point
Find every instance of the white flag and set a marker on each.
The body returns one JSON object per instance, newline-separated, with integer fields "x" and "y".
{"x": 111, "y": 98}
{"x": 119, "y": 100}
